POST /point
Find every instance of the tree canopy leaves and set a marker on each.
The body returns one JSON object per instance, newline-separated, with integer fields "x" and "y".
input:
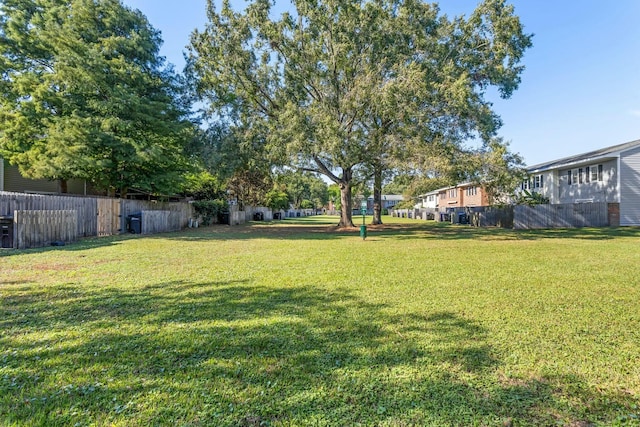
{"x": 343, "y": 85}
{"x": 86, "y": 95}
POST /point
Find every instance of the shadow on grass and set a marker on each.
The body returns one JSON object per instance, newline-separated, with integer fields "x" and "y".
{"x": 409, "y": 231}
{"x": 231, "y": 353}
{"x": 83, "y": 244}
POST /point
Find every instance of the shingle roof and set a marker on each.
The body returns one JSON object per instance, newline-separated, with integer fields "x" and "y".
{"x": 591, "y": 155}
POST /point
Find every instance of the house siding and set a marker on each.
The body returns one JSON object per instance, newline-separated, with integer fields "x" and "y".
{"x": 594, "y": 191}
{"x": 448, "y": 200}
{"x": 550, "y": 188}
{"x": 478, "y": 199}
{"x": 13, "y": 181}
{"x": 630, "y": 187}
{"x": 428, "y": 201}
{"x": 460, "y": 198}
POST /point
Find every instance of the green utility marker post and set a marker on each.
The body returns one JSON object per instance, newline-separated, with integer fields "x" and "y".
{"x": 363, "y": 228}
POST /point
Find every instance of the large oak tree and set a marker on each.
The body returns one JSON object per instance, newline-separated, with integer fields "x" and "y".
{"x": 86, "y": 95}
{"x": 348, "y": 85}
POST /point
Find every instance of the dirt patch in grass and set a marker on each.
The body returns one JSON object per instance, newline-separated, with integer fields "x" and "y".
{"x": 306, "y": 225}
{"x": 371, "y": 227}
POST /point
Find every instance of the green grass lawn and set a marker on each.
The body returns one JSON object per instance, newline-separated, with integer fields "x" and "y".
{"x": 290, "y": 324}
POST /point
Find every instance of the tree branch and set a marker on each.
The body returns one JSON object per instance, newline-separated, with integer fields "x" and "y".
{"x": 323, "y": 169}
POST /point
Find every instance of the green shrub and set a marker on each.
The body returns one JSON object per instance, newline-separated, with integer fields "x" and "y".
{"x": 203, "y": 186}
{"x": 307, "y": 204}
{"x": 277, "y": 200}
{"x": 405, "y": 204}
{"x": 531, "y": 198}
{"x": 210, "y": 209}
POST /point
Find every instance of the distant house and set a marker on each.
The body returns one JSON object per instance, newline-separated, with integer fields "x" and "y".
{"x": 388, "y": 202}
{"x": 466, "y": 195}
{"x": 428, "y": 200}
{"x": 611, "y": 175}
{"x": 12, "y": 180}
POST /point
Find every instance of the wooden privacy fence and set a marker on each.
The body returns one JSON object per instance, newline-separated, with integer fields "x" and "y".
{"x": 561, "y": 216}
{"x": 254, "y": 213}
{"x": 108, "y": 217}
{"x": 530, "y": 217}
{"x": 40, "y": 228}
{"x": 94, "y": 216}
{"x": 86, "y": 208}
{"x": 178, "y": 217}
{"x": 492, "y": 217}
{"x": 154, "y": 221}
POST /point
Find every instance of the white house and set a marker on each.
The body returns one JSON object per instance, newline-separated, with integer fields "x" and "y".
{"x": 428, "y": 200}
{"x": 388, "y": 201}
{"x": 609, "y": 175}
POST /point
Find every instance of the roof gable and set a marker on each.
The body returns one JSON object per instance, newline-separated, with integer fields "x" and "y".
{"x": 600, "y": 154}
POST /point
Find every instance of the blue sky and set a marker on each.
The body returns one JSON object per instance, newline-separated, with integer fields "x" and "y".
{"x": 580, "y": 90}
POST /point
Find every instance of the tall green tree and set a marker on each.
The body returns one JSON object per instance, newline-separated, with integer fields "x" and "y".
{"x": 304, "y": 189}
{"x": 498, "y": 170}
{"x": 235, "y": 153}
{"x": 343, "y": 86}
{"x": 86, "y": 95}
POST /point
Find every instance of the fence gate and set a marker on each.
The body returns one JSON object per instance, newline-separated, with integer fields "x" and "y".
{"x": 108, "y": 217}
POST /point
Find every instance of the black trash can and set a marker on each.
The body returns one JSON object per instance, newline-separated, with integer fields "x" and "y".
{"x": 134, "y": 223}
{"x": 224, "y": 218}
{"x": 6, "y": 232}
{"x": 258, "y": 216}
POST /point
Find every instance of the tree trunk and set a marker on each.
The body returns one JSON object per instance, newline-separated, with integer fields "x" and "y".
{"x": 377, "y": 196}
{"x": 346, "y": 208}
{"x": 62, "y": 185}
{"x": 344, "y": 183}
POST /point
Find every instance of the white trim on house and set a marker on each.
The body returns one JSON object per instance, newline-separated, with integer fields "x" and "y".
{"x": 629, "y": 187}
{"x": 618, "y": 171}
{"x": 618, "y": 184}
{"x": 601, "y": 155}
{"x": 426, "y": 202}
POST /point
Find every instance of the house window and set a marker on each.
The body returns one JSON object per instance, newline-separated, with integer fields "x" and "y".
{"x": 574, "y": 176}
{"x": 453, "y": 193}
{"x": 594, "y": 173}
{"x": 538, "y": 181}
{"x": 525, "y": 185}
{"x": 472, "y": 191}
